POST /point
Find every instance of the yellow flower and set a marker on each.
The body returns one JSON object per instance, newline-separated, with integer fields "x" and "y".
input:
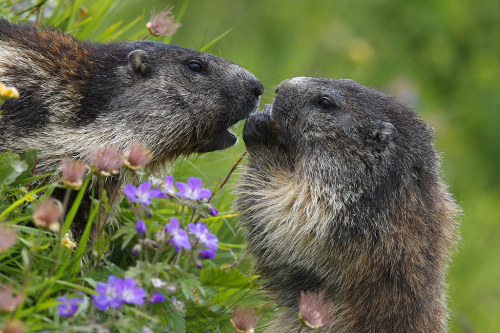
{"x": 67, "y": 243}
{"x": 31, "y": 197}
{"x": 8, "y": 92}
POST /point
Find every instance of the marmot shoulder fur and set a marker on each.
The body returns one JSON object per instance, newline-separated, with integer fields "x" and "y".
{"x": 342, "y": 194}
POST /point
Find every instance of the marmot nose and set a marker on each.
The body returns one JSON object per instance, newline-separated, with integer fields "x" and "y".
{"x": 258, "y": 88}
{"x": 283, "y": 83}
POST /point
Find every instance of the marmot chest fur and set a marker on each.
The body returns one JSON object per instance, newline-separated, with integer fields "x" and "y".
{"x": 77, "y": 96}
{"x": 342, "y": 193}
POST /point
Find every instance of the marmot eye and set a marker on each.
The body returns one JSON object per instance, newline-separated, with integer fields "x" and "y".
{"x": 194, "y": 66}
{"x": 326, "y": 104}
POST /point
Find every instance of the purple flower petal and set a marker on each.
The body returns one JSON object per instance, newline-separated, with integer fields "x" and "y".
{"x": 144, "y": 187}
{"x": 68, "y": 306}
{"x": 109, "y": 294}
{"x": 168, "y": 186}
{"x": 204, "y": 193}
{"x": 141, "y": 227}
{"x": 156, "y": 298}
{"x": 210, "y": 241}
{"x": 180, "y": 238}
{"x": 156, "y": 193}
{"x": 201, "y": 232}
{"x": 173, "y": 225}
{"x": 207, "y": 254}
{"x": 193, "y": 189}
{"x": 130, "y": 191}
{"x": 194, "y": 183}
{"x": 132, "y": 294}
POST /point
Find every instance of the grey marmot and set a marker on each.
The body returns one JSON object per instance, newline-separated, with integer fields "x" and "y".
{"x": 342, "y": 194}
{"x": 77, "y": 96}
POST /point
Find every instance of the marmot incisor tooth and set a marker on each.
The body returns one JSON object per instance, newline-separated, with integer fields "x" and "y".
{"x": 342, "y": 193}
{"x": 79, "y": 96}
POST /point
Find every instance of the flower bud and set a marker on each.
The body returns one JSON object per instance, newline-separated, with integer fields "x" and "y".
{"x": 47, "y": 214}
{"x": 136, "y": 249}
{"x": 108, "y": 161}
{"x": 163, "y": 23}
{"x": 244, "y": 320}
{"x": 13, "y": 326}
{"x": 314, "y": 311}
{"x": 8, "y": 237}
{"x": 213, "y": 211}
{"x": 171, "y": 288}
{"x": 9, "y": 302}
{"x": 137, "y": 156}
{"x": 207, "y": 254}
{"x": 73, "y": 173}
{"x": 158, "y": 283}
{"x": 141, "y": 227}
{"x": 156, "y": 298}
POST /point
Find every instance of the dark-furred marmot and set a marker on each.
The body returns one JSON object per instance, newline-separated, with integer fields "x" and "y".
{"x": 342, "y": 194}
{"x": 77, "y": 96}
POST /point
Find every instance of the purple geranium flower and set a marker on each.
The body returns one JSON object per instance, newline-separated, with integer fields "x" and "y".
{"x": 200, "y": 231}
{"x": 143, "y": 193}
{"x": 141, "y": 227}
{"x": 180, "y": 238}
{"x": 110, "y": 294}
{"x": 132, "y": 294}
{"x": 156, "y": 298}
{"x": 68, "y": 305}
{"x": 193, "y": 190}
{"x": 207, "y": 254}
{"x": 168, "y": 186}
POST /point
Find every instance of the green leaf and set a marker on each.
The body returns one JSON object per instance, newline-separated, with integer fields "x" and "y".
{"x": 76, "y": 204}
{"x": 30, "y": 158}
{"x": 224, "y": 34}
{"x": 188, "y": 283}
{"x": 231, "y": 278}
{"x": 11, "y": 167}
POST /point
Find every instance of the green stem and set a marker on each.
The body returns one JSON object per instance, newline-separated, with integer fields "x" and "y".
{"x": 111, "y": 201}
{"x": 99, "y": 227}
{"x": 228, "y": 175}
{"x": 178, "y": 257}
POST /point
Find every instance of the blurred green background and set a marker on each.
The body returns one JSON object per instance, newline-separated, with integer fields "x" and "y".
{"x": 442, "y": 57}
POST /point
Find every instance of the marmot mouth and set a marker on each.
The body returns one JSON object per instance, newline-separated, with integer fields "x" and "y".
{"x": 217, "y": 141}
{"x": 223, "y": 138}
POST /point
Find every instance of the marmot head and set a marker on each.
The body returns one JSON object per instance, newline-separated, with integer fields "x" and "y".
{"x": 188, "y": 99}
{"x": 79, "y": 96}
{"x": 355, "y": 147}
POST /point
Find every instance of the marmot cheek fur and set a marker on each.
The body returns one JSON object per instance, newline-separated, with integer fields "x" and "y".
{"x": 342, "y": 193}
{"x": 77, "y": 96}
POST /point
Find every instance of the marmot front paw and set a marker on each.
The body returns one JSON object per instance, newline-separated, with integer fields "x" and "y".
{"x": 260, "y": 129}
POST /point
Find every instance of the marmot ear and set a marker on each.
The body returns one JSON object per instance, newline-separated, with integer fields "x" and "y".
{"x": 384, "y": 131}
{"x": 138, "y": 62}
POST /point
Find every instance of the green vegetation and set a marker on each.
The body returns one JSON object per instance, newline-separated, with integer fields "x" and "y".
{"x": 439, "y": 56}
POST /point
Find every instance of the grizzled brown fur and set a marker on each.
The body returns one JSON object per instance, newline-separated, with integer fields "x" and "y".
{"x": 342, "y": 193}
{"x": 77, "y": 96}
